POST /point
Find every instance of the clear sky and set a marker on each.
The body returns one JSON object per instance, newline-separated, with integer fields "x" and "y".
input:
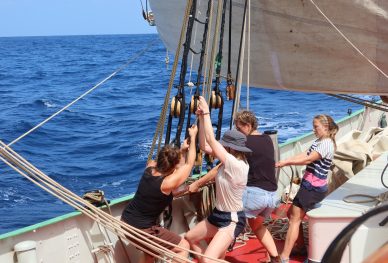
{"x": 71, "y": 17}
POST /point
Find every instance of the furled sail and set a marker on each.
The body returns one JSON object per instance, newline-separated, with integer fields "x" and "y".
{"x": 294, "y": 47}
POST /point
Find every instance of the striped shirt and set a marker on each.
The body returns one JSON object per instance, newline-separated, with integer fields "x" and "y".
{"x": 315, "y": 176}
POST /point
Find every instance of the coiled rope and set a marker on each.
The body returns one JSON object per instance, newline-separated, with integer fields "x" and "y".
{"x": 367, "y": 198}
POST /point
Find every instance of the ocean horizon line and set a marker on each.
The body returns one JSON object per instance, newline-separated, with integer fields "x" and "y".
{"x": 80, "y": 35}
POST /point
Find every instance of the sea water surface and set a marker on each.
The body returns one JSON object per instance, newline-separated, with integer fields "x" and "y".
{"x": 103, "y": 140}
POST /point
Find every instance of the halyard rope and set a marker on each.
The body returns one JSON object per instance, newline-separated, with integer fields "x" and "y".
{"x": 26, "y": 169}
{"x": 87, "y": 92}
{"x": 213, "y": 52}
{"x": 366, "y": 103}
{"x": 162, "y": 119}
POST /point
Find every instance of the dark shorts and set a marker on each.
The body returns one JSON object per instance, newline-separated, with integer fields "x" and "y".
{"x": 161, "y": 233}
{"x": 222, "y": 219}
{"x": 307, "y": 199}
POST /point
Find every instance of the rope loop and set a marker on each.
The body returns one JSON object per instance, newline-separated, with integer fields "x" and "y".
{"x": 368, "y": 198}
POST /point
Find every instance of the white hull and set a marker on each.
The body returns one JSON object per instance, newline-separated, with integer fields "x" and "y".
{"x": 73, "y": 237}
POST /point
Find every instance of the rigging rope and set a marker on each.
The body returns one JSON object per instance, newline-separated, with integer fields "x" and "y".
{"x": 229, "y": 74}
{"x": 242, "y": 37}
{"x": 366, "y": 103}
{"x": 179, "y": 99}
{"x": 210, "y": 22}
{"x": 162, "y": 119}
{"x": 192, "y": 53}
{"x": 368, "y": 198}
{"x": 87, "y": 92}
{"x": 219, "y": 101}
{"x": 213, "y": 52}
{"x": 194, "y": 100}
{"x": 347, "y": 40}
{"x": 136, "y": 237}
{"x": 249, "y": 50}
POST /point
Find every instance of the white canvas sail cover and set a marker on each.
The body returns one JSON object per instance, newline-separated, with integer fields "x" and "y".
{"x": 293, "y": 46}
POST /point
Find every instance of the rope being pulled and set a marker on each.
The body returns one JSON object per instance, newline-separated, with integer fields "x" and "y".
{"x": 162, "y": 119}
{"x": 136, "y": 237}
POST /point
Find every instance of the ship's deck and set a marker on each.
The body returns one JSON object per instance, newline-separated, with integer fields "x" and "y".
{"x": 253, "y": 251}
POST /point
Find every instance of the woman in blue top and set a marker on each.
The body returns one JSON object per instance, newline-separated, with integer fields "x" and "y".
{"x": 318, "y": 159}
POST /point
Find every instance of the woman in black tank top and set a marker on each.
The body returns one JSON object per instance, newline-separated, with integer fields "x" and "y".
{"x": 155, "y": 192}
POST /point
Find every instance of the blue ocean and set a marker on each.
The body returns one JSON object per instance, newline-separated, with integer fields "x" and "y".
{"x": 102, "y": 141}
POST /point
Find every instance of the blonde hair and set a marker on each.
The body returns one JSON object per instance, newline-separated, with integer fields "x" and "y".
{"x": 328, "y": 122}
{"x": 247, "y": 117}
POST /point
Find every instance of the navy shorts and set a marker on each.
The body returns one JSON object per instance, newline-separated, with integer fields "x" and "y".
{"x": 222, "y": 219}
{"x": 307, "y": 199}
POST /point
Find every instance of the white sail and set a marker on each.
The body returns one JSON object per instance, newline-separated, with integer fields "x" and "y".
{"x": 294, "y": 47}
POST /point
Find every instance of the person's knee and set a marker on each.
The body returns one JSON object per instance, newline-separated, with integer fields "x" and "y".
{"x": 295, "y": 219}
{"x": 184, "y": 243}
{"x": 191, "y": 238}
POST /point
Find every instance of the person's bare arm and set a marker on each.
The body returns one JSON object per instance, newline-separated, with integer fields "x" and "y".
{"x": 300, "y": 159}
{"x": 180, "y": 175}
{"x": 217, "y": 149}
{"x": 194, "y": 187}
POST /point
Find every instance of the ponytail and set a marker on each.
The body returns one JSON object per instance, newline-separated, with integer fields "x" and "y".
{"x": 332, "y": 127}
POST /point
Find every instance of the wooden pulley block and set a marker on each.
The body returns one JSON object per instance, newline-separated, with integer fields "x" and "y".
{"x": 384, "y": 99}
{"x": 215, "y": 101}
{"x": 175, "y": 111}
{"x": 193, "y": 107}
{"x": 230, "y": 91}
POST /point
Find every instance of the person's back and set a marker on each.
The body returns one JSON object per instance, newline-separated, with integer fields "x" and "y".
{"x": 155, "y": 193}
{"x": 261, "y": 162}
{"x": 148, "y": 202}
{"x": 260, "y": 197}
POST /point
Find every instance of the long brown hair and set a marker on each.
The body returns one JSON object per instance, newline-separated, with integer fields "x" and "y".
{"x": 168, "y": 158}
{"x": 239, "y": 155}
{"x": 328, "y": 122}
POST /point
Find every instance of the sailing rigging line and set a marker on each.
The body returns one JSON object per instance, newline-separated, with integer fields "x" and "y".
{"x": 348, "y": 40}
{"x": 129, "y": 61}
{"x": 213, "y": 51}
{"x": 179, "y": 99}
{"x": 194, "y": 99}
{"x": 142, "y": 9}
{"x": 242, "y": 37}
{"x": 219, "y": 101}
{"x": 366, "y": 103}
{"x": 133, "y": 235}
{"x": 210, "y": 25}
{"x": 249, "y": 50}
{"x": 163, "y": 115}
{"x": 192, "y": 53}
{"x": 229, "y": 74}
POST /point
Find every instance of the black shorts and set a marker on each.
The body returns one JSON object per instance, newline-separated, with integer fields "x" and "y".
{"x": 222, "y": 219}
{"x": 307, "y": 199}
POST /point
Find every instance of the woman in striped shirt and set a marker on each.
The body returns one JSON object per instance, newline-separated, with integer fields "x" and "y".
{"x": 318, "y": 159}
